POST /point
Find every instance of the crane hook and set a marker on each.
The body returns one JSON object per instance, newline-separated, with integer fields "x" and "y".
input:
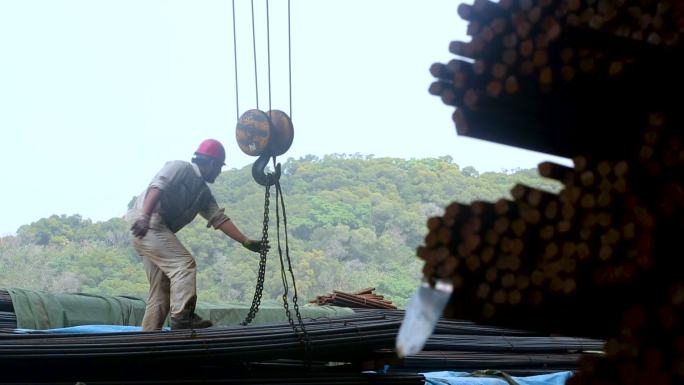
{"x": 259, "y": 174}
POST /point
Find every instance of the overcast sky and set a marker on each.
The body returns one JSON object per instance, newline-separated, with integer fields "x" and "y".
{"x": 96, "y": 95}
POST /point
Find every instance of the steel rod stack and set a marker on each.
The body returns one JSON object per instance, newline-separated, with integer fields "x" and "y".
{"x": 523, "y": 355}
{"x": 258, "y": 375}
{"x": 591, "y": 80}
{"x": 537, "y": 58}
{"x": 249, "y": 374}
{"x": 271, "y": 354}
{"x": 92, "y": 357}
{"x": 362, "y": 299}
{"x": 464, "y": 345}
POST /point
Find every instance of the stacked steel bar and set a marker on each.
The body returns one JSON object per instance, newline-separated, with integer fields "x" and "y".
{"x": 591, "y": 80}
{"x": 537, "y": 58}
{"x": 249, "y": 374}
{"x": 476, "y": 361}
{"x": 94, "y": 357}
{"x": 361, "y": 299}
{"x": 273, "y": 349}
{"x": 8, "y": 319}
{"x": 327, "y": 338}
{"x": 647, "y": 344}
{"x": 252, "y": 374}
{"x": 583, "y": 262}
{"x": 464, "y": 345}
{"x": 535, "y": 261}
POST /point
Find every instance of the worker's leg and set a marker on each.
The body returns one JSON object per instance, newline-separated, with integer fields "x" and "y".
{"x": 158, "y": 301}
{"x": 162, "y": 249}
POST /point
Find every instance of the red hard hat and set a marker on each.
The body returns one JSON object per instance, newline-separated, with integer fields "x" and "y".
{"x": 212, "y": 148}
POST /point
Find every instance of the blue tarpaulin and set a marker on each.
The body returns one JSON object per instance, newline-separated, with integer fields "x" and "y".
{"x": 494, "y": 378}
{"x": 87, "y": 329}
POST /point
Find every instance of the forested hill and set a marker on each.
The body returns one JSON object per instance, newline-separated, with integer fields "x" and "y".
{"x": 353, "y": 222}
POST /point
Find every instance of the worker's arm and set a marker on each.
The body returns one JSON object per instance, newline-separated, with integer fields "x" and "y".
{"x": 229, "y": 228}
{"x": 142, "y": 224}
{"x": 151, "y": 199}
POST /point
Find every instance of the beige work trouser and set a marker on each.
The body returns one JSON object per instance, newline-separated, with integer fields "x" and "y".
{"x": 171, "y": 271}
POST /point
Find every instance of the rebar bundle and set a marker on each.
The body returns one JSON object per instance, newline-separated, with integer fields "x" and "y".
{"x": 256, "y": 373}
{"x": 272, "y": 354}
{"x": 476, "y": 360}
{"x": 591, "y": 80}
{"x": 362, "y": 299}
{"x": 108, "y": 355}
{"x": 464, "y": 345}
{"x": 333, "y": 337}
{"x": 537, "y": 58}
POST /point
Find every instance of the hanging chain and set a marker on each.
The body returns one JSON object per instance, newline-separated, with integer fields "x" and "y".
{"x": 302, "y": 335}
{"x": 262, "y": 264}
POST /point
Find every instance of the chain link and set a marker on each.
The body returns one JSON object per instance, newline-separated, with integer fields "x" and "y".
{"x": 302, "y": 335}
{"x": 262, "y": 264}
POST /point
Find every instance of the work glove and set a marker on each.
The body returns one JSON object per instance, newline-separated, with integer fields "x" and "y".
{"x": 256, "y": 246}
{"x": 141, "y": 226}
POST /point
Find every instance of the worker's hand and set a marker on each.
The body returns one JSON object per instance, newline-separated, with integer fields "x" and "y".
{"x": 256, "y": 246}
{"x": 141, "y": 226}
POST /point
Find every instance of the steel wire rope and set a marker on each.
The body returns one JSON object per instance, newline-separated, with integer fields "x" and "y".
{"x": 256, "y": 301}
{"x": 289, "y": 56}
{"x": 235, "y": 63}
{"x": 304, "y": 336}
{"x": 280, "y": 202}
{"x": 256, "y": 76}
{"x": 268, "y": 55}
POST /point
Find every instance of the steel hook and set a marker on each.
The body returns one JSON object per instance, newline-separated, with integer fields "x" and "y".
{"x": 260, "y": 176}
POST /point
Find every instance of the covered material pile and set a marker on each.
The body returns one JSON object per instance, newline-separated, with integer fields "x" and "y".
{"x": 8, "y": 319}
{"x": 31, "y": 309}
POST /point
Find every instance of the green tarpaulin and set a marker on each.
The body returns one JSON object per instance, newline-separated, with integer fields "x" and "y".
{"x": 42, "y": 310}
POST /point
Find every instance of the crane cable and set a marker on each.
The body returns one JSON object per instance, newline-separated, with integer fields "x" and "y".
{"x": 256, "y": 76}
{"x": 280, "y": 202}
{"x": 237, "y": 94}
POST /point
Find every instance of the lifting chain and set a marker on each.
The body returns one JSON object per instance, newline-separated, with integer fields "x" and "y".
{"x": 262, "y": 264}
{"x": 298, "y": 328}
{"x": 302, "y": 335}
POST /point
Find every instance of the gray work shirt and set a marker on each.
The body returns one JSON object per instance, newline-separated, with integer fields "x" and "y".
{"x": 184, "y": 195}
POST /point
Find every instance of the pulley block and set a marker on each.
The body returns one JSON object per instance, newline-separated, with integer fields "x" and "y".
{"x": 253, "y": 132}
{"x": 265, "y": 135}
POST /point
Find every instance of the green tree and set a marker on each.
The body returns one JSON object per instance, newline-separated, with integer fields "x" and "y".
{"x": 354, "y": 221}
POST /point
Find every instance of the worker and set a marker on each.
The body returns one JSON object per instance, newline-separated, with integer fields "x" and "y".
{"x": 173, "y": 199}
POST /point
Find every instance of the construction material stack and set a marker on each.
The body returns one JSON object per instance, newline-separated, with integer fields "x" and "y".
{"x": 596, "y": 81}
{"x": 362, "y": 299}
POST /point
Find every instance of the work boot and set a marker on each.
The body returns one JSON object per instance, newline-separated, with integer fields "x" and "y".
{"x": 191, "y": 321}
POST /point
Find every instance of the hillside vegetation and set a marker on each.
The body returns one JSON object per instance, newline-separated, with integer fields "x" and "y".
{"x": 353, "y": 222}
